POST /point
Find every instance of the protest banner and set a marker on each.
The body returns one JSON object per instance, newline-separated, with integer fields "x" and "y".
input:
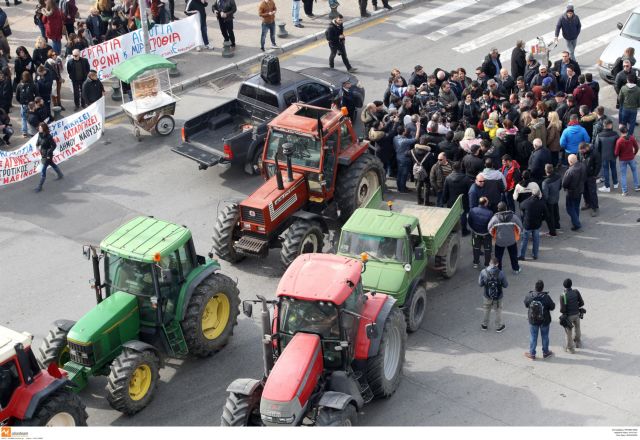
{"x": 166, "y": 40}
{"x": 73, "y": 135}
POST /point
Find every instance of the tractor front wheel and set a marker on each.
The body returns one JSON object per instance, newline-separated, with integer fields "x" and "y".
{"x": 211, "y": 315}
{"x": 357, "y": 183}
{"x": 54, "y": 348}
{"x": 133, "y": 380}
{"x": 337, "y": 417}
{"x": 226, "y": 232}
{"x": 62, "y": 408}
{"x": 302, "y": 237}
{"x": 383, "y": 370}
{"x": 415, "y": 310}
{"x": 241, "y": 410}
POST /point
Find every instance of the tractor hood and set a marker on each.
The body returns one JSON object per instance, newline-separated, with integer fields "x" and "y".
{"x": 269, "y": 196}
{"x": 385, "y": 277}
{"x": 291, "y": 381}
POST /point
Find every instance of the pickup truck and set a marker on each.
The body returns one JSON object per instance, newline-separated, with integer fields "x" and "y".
{"x": 234, "y": 132}
{"x": 398, "y": 239}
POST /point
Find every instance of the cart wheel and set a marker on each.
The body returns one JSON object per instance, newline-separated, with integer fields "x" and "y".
{"x": 136, "y": 133}
{"x": 165, "y": 125}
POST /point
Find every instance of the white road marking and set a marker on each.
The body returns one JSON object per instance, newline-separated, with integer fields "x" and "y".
{"x": 432, "y": 14}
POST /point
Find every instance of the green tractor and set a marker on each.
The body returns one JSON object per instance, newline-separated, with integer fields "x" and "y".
{"x": 158, "y": 299}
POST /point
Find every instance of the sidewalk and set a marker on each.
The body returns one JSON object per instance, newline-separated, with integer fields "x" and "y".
{"x": 197, "y": 68}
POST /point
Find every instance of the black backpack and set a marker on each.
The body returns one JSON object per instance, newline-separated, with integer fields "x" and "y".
{"x": 536, "y": 311}
{"x": 494, "y": 288}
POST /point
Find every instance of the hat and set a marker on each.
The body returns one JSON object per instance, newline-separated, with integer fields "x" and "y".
{"x": 569, "y": 8}
{"x": 547, "y": 81}
{"x": 560, "y": 95}
{"x": 417, "y": 68}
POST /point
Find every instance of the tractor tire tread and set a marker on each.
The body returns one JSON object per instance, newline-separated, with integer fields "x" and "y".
{"x": 293, "y": 238}
{"x": 51, "y": 346}
{"x": 223, "y": 234}
{"x": 118, "y": 381}
{"x": 348, "y": 180}
{"x": 237, "y": 411}
{"x": 337, "y": 417}
{"x": 62, "y": 400}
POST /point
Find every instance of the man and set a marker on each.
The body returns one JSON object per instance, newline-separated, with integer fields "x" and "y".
{"x": 629, "y": 99}
{"x": 225, "y": 10}
{"x": 348, "y": 100}
{"x": 493, "y": 280}
{"x": 531, "y": 70}
{"x": 385, "y": 4}
{"x": 551, "y": 196}
{"x": 518, "y": 59}
{"x": 569, "y": 82}
{"x": 507, "y": 83}
{"x": 605, "y": 145}
{"x": 621, "y": 78}
{"x": 472, "y": 164}
{"x": 626, "y": 151}
{"x": 539, "y": 304}
{"x": 595, "y": 87}
{"x": 538, "y": 79}
{"x": 570, "y": 304}
{"x": 477, "y": 191}
{"x": 573, "y": 184}
{"x": 295, "y": 13}
{"x": 363, "y": 9}
{"x": 584, "y": 93}
{"x": 505, "y": 227}
{"x": 573, "y": 135}
{"x": 457, "y": 184}
{"x": 512, "y": 174}
{"x": 537, "y": 161}
{"x": 200, "y": 6}
{"x": 402, "y": 144}
{"x": 561, "y": 105}
{"x": 495, "y": 184}
{"x": 439, "y": 173}
{"x": 593, "y": 164}
{"x": 423, "y": 160}
{"x": 92, "y": 89}
{"x": 479, "y": 218}
{"x": 418, "y": 77}
{"x": 78, "y": 70}
{"x": 267, "y": 11}
{"x": 44, "y": 82}
{"x": 533, "y": 213}
{"x": 569, "y": 24}
{"x": 560, "y": 67}
{"x": 492, "y": 65}
{"x": 336, "y": 39}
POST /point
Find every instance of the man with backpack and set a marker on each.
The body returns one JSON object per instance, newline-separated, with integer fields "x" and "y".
{"x": 493, "y": 280}
{"x": 423, "y": 160}
{"x": 571, "y": 304}
{"x": 540, "y": 305}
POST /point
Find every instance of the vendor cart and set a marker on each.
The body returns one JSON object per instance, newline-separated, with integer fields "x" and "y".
{"x": 153, "y": 103}
{"x": 541, "y": 51}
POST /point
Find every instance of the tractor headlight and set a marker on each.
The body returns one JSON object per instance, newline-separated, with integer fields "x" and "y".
{"x": 278, "y": 420}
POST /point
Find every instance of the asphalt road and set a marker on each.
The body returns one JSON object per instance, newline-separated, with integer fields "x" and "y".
{"x": 454, "y": 374}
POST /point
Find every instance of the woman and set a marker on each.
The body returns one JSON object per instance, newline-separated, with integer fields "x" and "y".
{"x": 490, "y": 125}
{"x": 46, "y": 145}
{"x": 554, "y": 130}
{"x": 40, "y": 53}
{"x": 25, "y": 93}
{"x": 53, "y": 23}
{"x": 56, "y": 66}
{"x": 37, "y": 17}
{"x": 23, "y": 63}
{"x": 469, "y": 110}
{"x": 469, "y": 139}
{"x": 5, "y": 127}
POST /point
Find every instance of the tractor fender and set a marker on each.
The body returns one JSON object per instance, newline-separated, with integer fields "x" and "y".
{"x": 258, "y": 142}
{"x": 245, "y": 387}
{"x": 188, "y": 289}
{"x": 310, "y": 216}
{"x": 382, "y": 317}
{"x": 336, "y": 400}
{"x": 376, "y": 309}
{"x": 140, "y": 346}
{"x": 340, "y": 383}
{"x": 64, "y": 324}
{"x": 411, "y": 290}
{"x": 41, "y": 395}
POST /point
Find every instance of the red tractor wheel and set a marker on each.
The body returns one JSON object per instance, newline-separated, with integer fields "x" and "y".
{"x": 241, "y": 410}
{"x": 302, "y": 237}
{"x": 383, "y": 370}
{"x": 226, "y": 232}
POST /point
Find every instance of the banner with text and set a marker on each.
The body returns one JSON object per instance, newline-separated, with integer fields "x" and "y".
{"x": 73, "y": 135}
{"x": 166, "y": 40}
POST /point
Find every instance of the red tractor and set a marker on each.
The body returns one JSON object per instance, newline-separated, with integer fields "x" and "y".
{"x": 328, "y": 351}
{"x": 329, "y": 173}
{"x": 30, "y": 396}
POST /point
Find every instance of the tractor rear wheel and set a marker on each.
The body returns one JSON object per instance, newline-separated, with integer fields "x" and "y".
{"x": 211, "y": 315}
{"x": 62, "y": 408}
{"x": 302, "y": 237}
{"x": 133, "y": 380}
{"x": 357, "y": 183}
{"x": 446, "y": 260}
{"x": 415, "y": 310}
{"x": 383, "y": 370}
{"x": 241, "y": 410}
{"x": 54, "y": 348}
{"x": 337, "y": 417}
{"x": 226, "y": 233}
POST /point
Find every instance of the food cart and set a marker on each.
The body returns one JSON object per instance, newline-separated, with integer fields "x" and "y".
{"x": 541, "y": 51}
{"x": 153, "y": 103}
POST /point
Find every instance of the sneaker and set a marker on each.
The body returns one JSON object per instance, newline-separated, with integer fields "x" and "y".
{"x": 548, "y": 354}
{"x": 604, "y": 189}
{"x": 275, "y": 46}
{"x": 299, "y": 25}
{"x": 483, "y": 327}
{"x": 262, "y": 49}
{"x": 501, "y": 328}
{"x": 615, "y": 186}
{"x": 38, "y": 189}
{"x": 60, "y": 176}
{"x": 530, "y": 356}
{"x": 578, "y": 344}
{"x": 569, "y": 350}
{"x": 637, "y": 188}
{"x": 535, "y": 257}
{"x": 210, "y": 47}
{"x": 388, "y": 6}
{"x": 575, "y": 228}
{"x": 516, "y": 272}
{"x": 475, "y": 265}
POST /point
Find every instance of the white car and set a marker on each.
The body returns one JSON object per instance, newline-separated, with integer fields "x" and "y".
{"x": 629, "y": 37}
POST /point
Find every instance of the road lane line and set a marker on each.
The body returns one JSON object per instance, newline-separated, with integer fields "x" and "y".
{"x": 433, "y": 14}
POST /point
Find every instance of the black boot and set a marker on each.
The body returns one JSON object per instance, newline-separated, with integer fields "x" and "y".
{"x": 15, "y": 3}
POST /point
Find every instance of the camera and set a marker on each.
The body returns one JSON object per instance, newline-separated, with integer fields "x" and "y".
{"x": 582, "y": 312}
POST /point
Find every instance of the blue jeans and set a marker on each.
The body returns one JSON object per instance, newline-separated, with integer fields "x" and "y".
{"x": 628, "y": 118}
{"x": 535, "y": 233}
{"x": 23, "y": 114}
{"x": 203, "y": 29}
{"x": 403, "y": 175}
{"x": 606, "y": 166}
{"x": 439, "y": 199}
{"x": 43, "y": 174}
{"x": 533, "y": 338}
{"x": 56, "y": 45}
{"x": 623, "y": 174}
{"x": 571, "y": 47}
{"x": 271, "y": 27}
{"x": 573, "y": 209}
{"x": 295, "y": 11}
{"x": 42, "y": 29}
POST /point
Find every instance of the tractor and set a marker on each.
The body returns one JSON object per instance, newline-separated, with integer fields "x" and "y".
{"x": 29, "y": 395}
{"x": 329, "y": 350}
{"x": 159, "y": 299}
{"x": 329, "y": 173}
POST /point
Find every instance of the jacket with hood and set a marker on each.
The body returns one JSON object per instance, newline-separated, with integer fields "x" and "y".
{"x": 457, "y": 184}
{"x": 592, "y": 163}
{"x": 570, "y": 27}
{"x": 626, "y": 148}
{"x": 530, "y": 71}
{"x": 605, "y": 144}
{"x": 547, "y": 305}
{"x": 584, "y": 95}
{"x": 573, "y": 180}
{"x": 505, "y": 227}
{"x": 538, "y": 130}
{"x": 551, "y": 188}
{"x": 492, "y": 272}
{"x": 539, "y": 158}
{"x": 472, "y": 165}
{"x": 494, "y": 186}
{"x": 419, "y": 152}
{"x": 512, "y": 174}
{"x": 479, "y": 218}
{"x": 629, "y": 97}
{"x": 572, "y": 136}
{"x": 533, "y": 211}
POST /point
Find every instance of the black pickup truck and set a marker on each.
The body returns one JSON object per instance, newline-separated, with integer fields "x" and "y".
{"x": 234, "y": 132}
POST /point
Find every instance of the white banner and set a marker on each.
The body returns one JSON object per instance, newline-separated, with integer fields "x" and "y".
{"x": 166, "y": 40}
{"x": 73, "y": 135}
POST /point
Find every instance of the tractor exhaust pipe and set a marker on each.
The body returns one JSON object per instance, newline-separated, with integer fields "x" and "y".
{"x": 288, "y": 149}
{"x": 278, "y": 173}
{"x": 267, "y": 347}
{"x": 90, "y": 252}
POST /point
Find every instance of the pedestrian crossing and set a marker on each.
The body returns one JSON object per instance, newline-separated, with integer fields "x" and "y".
{"x": 433, "y": 14}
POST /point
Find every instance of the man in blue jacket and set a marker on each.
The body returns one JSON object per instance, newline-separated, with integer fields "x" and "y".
{"x": 573, "y": 135}
{"x": 570, "y": 25}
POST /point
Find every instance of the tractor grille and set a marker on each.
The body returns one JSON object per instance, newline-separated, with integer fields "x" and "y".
{"x": 81, "y": 354}
{"x": 252, "y": 215}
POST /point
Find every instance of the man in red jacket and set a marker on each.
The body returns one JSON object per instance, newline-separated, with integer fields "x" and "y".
{"x": 626, "y": 150}
{"x": 584, "y": 93}
{"x": 511, "y": 171}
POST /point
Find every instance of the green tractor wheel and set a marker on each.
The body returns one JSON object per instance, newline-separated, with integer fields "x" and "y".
{"x": 61, "y": 408}
{"x": 211, "y": 315}
{"x": 54, "y": 348}
{"x": 133, "y": 380}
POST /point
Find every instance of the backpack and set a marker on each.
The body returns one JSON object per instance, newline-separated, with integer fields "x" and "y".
{"x": 419, "y": 173}
{"x": 493, "y": 288}
{"x": 536, "y": 312}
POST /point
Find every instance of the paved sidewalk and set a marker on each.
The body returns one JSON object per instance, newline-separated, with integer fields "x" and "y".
{"x": 200, "y": 67}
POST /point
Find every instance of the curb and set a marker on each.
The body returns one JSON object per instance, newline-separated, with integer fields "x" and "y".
{"x": 288, "y": 47}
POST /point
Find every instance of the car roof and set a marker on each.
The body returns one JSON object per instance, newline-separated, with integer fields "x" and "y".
{"x": 338, "y": 277}
{"x": 379, "y": 222}
{"x": 8, "y": 339}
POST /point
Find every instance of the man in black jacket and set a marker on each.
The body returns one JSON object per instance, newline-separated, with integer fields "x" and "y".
{"x": 518, "y": 59}
{"x": 539, "y": 304}
{"x": 224, "y": 10}
{"x": 593, "y": 164}
{"x": 533, "y": 212}
{"x": 92, "y": 89}
{"x": 479, "y": 218}
{"x": 538, "y": 159}
{"x": 605, "y": 145}
{"x": 458, "y": 184}
{"x": 573, "y": 184}
{"x": 335, "y": 37}
{"x": 570, "y": 304}
{"x": 551, "y": 196}
{"x": 78, "y": 70}
{"x": 560, "y": 67}
{"x": 492, "y": 65}
{"x": 472, "y": 163}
